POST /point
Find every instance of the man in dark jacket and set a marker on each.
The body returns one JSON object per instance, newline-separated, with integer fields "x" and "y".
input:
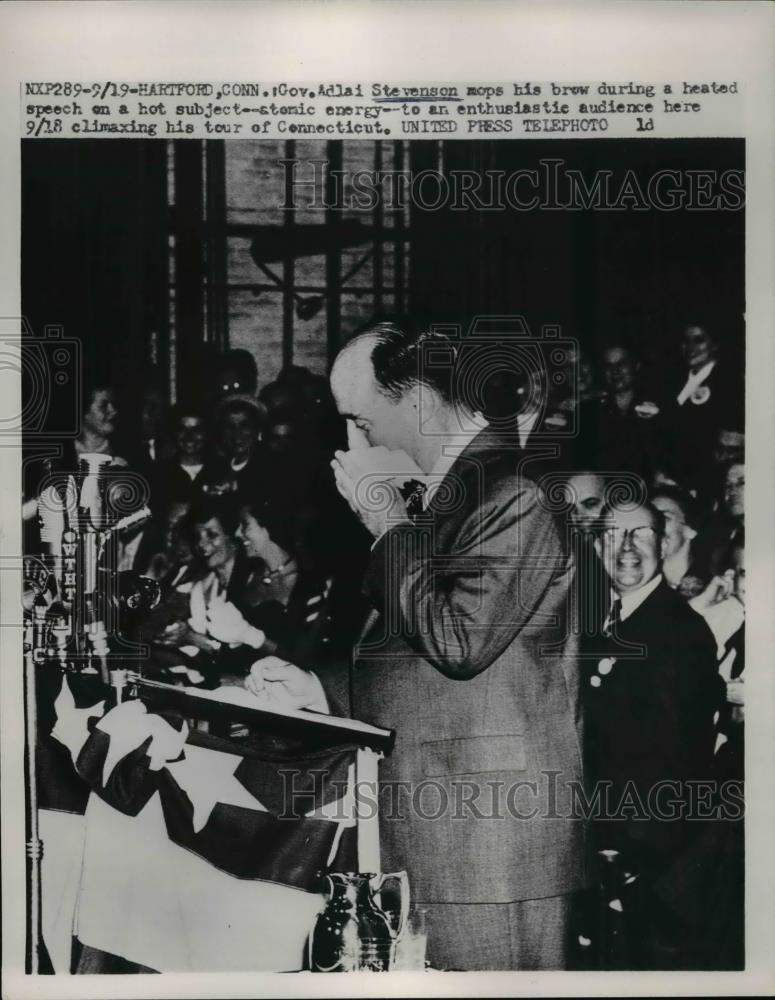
{"x": 650, "y": 714}
{"x": 698, "y": 400}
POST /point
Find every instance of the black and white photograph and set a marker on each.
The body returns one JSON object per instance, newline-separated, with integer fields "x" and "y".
{"x": 382, "y": 502}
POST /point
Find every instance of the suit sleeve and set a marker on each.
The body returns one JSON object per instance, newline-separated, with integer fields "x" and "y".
{"x": 460, "y": 608}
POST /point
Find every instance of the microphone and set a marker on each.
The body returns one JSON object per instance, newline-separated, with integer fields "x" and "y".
{"x": 129, "y": 521}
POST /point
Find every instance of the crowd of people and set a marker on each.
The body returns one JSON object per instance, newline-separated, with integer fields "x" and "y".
{"x": 244, "y": 511}
{"x": 259, "y": 558}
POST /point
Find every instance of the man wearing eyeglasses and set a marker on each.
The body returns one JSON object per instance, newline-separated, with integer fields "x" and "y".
{"x": 650, "y": 727}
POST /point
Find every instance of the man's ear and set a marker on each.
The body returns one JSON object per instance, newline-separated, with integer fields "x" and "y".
{"x": 690, "y": 533}
{"x": 417, "y": 397}
{"x": 425, "y": 402}
{"x": 598, "y": 547}
{"x": 663, "y": 548}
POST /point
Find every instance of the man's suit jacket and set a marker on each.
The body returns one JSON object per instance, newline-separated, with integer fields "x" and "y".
{"x": 469, "y": 660}
{"x": 688, "y": 432}
{"x": 612, "y": 441}
{"x": 651, "y": 720}
{"x": 548, "y": 448}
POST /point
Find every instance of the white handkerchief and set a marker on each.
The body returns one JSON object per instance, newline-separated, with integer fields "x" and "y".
{"x": 381, "y": 463}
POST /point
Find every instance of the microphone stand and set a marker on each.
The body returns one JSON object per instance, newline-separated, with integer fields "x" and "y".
{"x": 34, "y": 846}
{"x": 80, "y": 620}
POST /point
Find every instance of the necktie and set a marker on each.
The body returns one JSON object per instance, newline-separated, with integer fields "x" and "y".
{"x": 614, "y": 616}
{"x": 413, "y": 492}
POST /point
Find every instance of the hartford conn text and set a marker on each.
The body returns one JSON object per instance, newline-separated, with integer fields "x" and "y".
{"x": 312, "y": 185}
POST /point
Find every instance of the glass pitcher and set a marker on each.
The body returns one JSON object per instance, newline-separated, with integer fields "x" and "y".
{"x": 354, "y": 931}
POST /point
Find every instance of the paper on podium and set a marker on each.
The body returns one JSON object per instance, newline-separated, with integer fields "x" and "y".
{"x": 246, "y": 708}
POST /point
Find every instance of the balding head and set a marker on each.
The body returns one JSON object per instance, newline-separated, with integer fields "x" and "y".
{"x": 382, "y": 383}
{"x": 390, "y": 421}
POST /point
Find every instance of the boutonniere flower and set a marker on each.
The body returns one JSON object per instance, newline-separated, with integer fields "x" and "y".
{"x": 646, "y": 410}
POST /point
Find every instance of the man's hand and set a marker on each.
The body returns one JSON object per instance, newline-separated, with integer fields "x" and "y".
{"x": 178, "y": 634}
{"x": 719, "y": 589}
{"x": 736, "y": 692}
{"x": 356, "y": 439}
{"x": 368, "y": 479}
{"x": 280, "y": 685}
{"x": 226, "y": 624}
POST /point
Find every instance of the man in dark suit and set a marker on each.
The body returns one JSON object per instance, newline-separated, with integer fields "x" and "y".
{"x": 699, "y": 399}
{"x": 649, "y": 721}
{"x": 466, "y": 655}
{"x": 618, "y": 428}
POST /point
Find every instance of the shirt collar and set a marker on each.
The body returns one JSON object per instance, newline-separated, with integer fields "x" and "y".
{"x": 525, "y": 424}
{"x": 633, "y": 600}
{"x": 449, "y": 455}
{"x": 450, "y": 452}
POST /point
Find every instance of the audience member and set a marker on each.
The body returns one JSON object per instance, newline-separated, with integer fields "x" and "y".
{"x": 309, "y": 397}
{"x": 280, "y": 396}
{"x": 222, "y": 573}
{"x": 685, "y": 563}
{"x": 587, "y": 496}
{"x": 286, "y": 603}
{"x": 705, "y": 889}
{"x": 618, "y": 431}
{"x": 236, "y": 373}
{"x": 729, "y": 520}
{"x": 98, "y": 426}
{"x": 96, "y": 435}
{"x": 180, "y": 478}
{"x": 701, "y": 398}
{"x": 732, "y": 666}
{"x": 734, "y": 495}
{"x": 236, "y": 469}
{"x": 153, "y": 414}
{"x": 730, "y": 445}
{"x": 650, "y": 720}
{"x": 173, "y": 560}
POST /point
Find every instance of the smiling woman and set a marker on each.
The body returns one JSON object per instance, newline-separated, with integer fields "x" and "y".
{"x": 98, "y": 422}
{"x": 221, "y": 573}
{"x": 212, "y": 526}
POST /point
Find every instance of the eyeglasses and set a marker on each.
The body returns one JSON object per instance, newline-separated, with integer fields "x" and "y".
{"x": 643, "y": 534}
{"x": 672, "y": 518}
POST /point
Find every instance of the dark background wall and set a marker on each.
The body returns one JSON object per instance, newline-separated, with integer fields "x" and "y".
{"x": 94, "y": 250}
{"x": 598, "y": 273}
{"x": 98, "y": 220}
